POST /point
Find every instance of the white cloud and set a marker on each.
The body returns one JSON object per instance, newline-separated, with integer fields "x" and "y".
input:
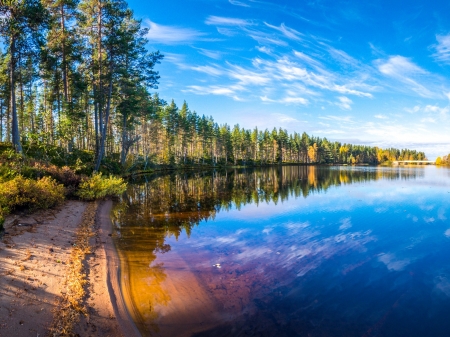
{"x": 286, "y": 100}
{"x": 170, "y": 34}
{"x": 413, "y": 110}
{"x": 329, "y": 132}
{"x": 399, "y": 66}
{"x": 381, "y": 116}
{"x": 447, "y": 233}
{"x": 211, "y": 53}
{"x": 226, "y": 31}
{"x": 229, "y": 91}
{"x": 264, "y": 50}
{"x": 215, "y": 90}
{"x": 342, "y": 57}
{"x": 238, "y": 3}
{"x": 248, "y": 77}
{"x": 295, "y": 100}
{"x": 346, "y": 119}
{"x": 447, "y": 94}
{"x": 436, "y": 109}
{"x": 263, "y": 39}
{"x": 286, "y": 31}
{"x": 223, "y": 21}
{"x": 344, "y": 90}
{"x": 428, "y": 120}
{"x": 208, "y": 70}
{"x": 404, "y": 70}
{"x": 266, "y": 99}
{"x": 308, "y": 60}
{"x": 442, "y": 48}
{"x": 344, "y": 103}
{"x": 282, "y": 118}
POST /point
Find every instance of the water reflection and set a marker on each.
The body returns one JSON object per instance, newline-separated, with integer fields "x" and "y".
{"x": 279, "y": 251}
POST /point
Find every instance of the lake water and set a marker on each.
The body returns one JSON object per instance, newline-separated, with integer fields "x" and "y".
{"x": 289, "y": 251}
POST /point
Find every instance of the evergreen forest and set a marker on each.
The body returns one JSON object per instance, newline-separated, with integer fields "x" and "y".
{"x": 76, "y": 77}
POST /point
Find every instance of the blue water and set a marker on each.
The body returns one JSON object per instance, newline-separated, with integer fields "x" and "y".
{"x": 369, "y": 257}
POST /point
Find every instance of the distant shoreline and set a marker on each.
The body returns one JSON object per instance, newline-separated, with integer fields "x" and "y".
{"x": 228, "y": 167}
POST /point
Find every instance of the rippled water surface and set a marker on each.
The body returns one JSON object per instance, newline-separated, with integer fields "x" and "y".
{"x": 290, "y": 251}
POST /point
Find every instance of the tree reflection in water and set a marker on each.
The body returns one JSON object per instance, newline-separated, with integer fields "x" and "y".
{"x": 159, "y": 207}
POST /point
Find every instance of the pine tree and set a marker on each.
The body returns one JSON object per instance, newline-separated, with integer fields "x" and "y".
{"x": 22, "y": 24}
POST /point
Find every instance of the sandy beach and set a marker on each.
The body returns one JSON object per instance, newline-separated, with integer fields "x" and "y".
{"x": 35, "y": 259}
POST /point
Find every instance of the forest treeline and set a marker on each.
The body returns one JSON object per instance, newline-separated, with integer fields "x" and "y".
{"x": 77, "y": 75}
{"x": 444, "y": 160}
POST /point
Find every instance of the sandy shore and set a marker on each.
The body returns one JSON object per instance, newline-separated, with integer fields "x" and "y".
{"x": 34, "y": 261}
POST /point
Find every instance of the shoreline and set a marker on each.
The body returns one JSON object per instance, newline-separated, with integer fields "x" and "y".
{"x": 113, "y": 271}
{"x": 36, "y": 258}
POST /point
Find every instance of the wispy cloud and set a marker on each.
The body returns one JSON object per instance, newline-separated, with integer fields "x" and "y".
{"x": 224, "y": 21}
{"x": 442, "y": 48}
{"x": 345, "y": 119}
{"x": 431, "y": 109}
{"x": 230, "y": 91}
{"x": 428, "y": 120}
{"x": 437, "y": 110}
{"x": 399, "y": 66}
{"x": 342, "y": 57}
{"x": 413, "y": 109}
{"x": 264, "y": 50}
{"x": 214, "y": 54}
{"x": 308, "y": 60}
{"x": 238, "y": 3}
{"x": 381, "y": 117}
{"x": 286, "y": 100}
{"x": 264, "y": 39}
{"x": 407, "y": 72}
{"x": 285, "y": 69}
{"x": 286, "y": 31}
{"x": 171, "y": 34}
{"x": 288, "y": 79}
{"x": 213, "y": 71}
{"x": 344, "y": 103}
{"x": 246, "y": 76}
{"x": 283, "y": 118}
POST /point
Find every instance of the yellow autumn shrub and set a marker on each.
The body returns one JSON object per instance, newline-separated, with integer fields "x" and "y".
{"x": 32, "y": 194}
{"x": 97, "y": 187}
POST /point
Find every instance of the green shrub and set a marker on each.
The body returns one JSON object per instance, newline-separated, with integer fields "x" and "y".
{"x": 97, "y": 187}
{"x": 27, "y": 193}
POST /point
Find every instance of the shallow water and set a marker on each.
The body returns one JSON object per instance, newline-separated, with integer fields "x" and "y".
{"x": 291, "y": 251}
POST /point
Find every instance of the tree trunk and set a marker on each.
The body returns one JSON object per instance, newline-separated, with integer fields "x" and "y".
{"x": 1, "y": 121}
{"x": 64, "y": 62}
{"x": 103, "y": 135}
{"x": 123, "y": 154}
{"x": 12, "y": 82}
{"x": 99, "y": 87}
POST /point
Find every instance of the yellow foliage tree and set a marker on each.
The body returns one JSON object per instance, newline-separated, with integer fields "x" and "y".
{"x": 312, "y": 153}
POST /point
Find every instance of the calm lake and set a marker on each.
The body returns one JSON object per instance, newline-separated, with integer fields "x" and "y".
{"x": 288, "y": 251}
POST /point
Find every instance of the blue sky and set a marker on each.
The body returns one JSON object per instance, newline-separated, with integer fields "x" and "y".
{"x": 373, "y": 73}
